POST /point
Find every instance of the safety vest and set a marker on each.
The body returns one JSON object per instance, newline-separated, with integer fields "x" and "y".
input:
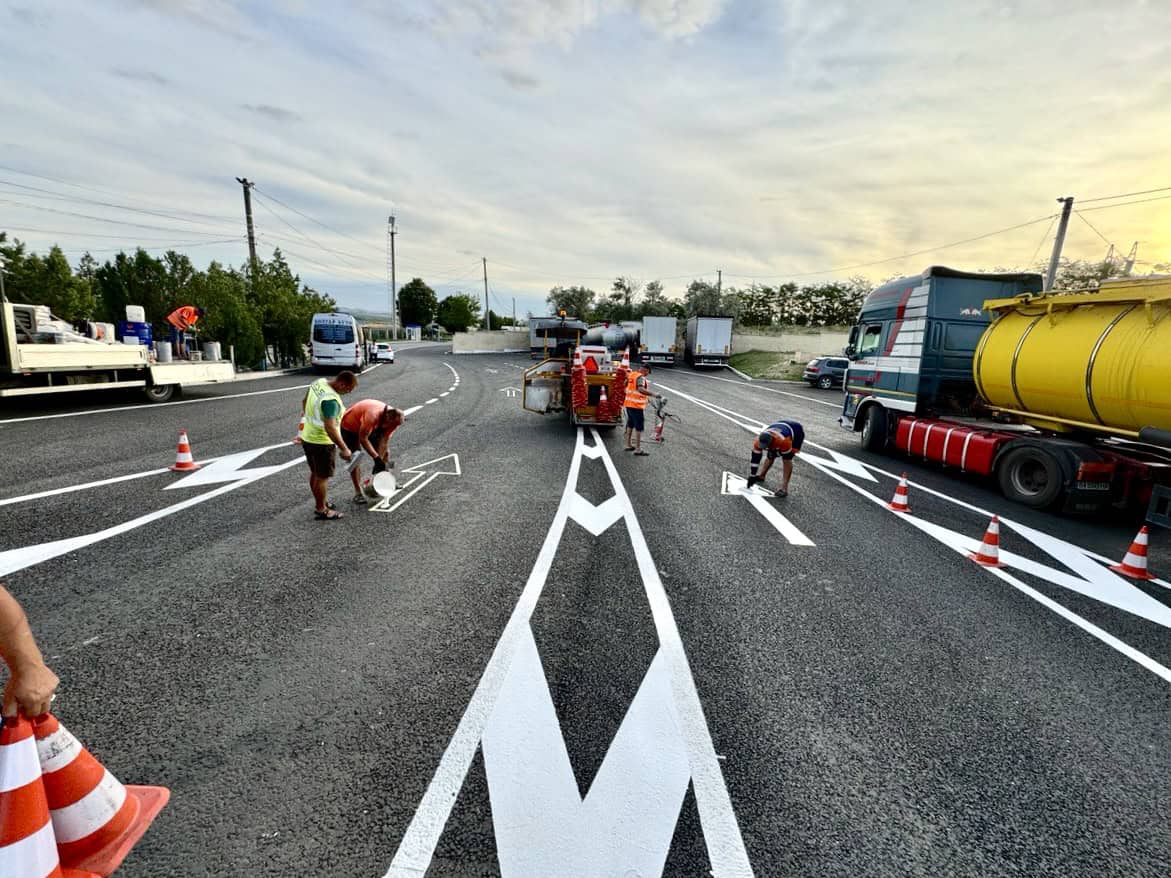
{"x": 184, "y": 317}
{"x": 314, "y": 430}
{"x": 635, "y": 398}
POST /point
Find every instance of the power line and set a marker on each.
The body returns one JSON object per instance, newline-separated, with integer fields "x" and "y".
{"x": 1049, "y": 228}
{"x": 37, "y": 192}
{"x": 102, "y": 219}
{"x": 1126, "y": 203}
{"x": 311, "y": 219}
{"x": 1124, "y": 195}
{"x": 310, "y": 240}
{"x": 339, "y": 269}
{"x": 1109, "y": 243}
{"x": 77, "y": 234}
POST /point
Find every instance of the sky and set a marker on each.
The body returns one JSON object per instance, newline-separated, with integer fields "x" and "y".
{"x": 572, "y": 141}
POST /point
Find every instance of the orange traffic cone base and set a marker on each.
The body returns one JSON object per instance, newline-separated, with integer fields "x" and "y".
{"x": 897, "y": 508}
{"x": 78, "y": 873}
{"x": 1132, "y": 572}
{"x": 184, "y": 467}
{"x": 986, "y": 561}
{"x": 150, "y": 801}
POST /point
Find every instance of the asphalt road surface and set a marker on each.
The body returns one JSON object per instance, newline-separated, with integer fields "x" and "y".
{"x": 546, "y": 657}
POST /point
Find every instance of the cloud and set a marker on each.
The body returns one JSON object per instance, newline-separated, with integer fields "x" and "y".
{"x": 520, "y": 80}
{"x": 277, "y": 114}
{"x": 30, "y": 16}
{"x": 148, "y": 76}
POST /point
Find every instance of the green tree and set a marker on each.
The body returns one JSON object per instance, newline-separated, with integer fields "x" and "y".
{"x": 47, "y": 280}
{"x": 417, "y": 303}
{"x": 459, "y": 312}
{"x": 574, "y": 301}
{"x": 229, "y": 316}
{"x": 654, "y": 301}
{"x": 703, "y": 298}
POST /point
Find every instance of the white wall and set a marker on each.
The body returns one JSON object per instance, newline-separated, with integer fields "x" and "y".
{"x": 812, "y": 343}
{"x": 482, "y": 342}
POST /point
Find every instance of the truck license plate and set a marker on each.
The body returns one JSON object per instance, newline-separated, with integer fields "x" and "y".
{"x": 1093, "y": 486}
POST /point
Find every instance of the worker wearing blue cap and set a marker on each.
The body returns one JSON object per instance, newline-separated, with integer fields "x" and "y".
{"x": 782, "y": 439}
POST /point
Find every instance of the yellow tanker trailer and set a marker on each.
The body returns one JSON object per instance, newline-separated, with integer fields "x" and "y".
{"x": 1063, "y": 397}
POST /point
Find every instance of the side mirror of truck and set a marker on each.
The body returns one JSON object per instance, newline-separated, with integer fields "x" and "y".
{"x": 850, "y": 352}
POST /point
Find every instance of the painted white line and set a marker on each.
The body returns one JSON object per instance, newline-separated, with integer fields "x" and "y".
{"x": 1092, "y": 581}
{"x": 454, "y": 374}
{"x": 147, "y": 406}
{"x": 408, "y": 412}
{"x": 13, "y": 560}
{"x": 393, "y": 502}
{"x": 69, "y": 489}
{"x": 431, "y": 400}
{"x": 734, "y": 484}
{"x": 835, "y": 405}
{"x": 445, "y": 393}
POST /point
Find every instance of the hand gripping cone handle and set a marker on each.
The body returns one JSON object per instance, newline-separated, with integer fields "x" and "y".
{"x": 1134, "y": 564}
{"x": 900, "y": 502}
{"x": 97, "y": 820}
{"x": 184, "y": 462}
{"x": 989, "y": 552}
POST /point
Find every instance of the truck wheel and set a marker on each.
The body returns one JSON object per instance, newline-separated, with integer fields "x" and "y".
{"x": 1030, "y": 476}
{"x": 160, "y": 392}
{"x": 825, "y": 382}
{"x": 874, "y": 429}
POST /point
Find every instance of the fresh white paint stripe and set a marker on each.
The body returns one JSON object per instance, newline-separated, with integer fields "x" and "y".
{"x": 721, "y": 832}
{"x": 411, "y": 410}
{"x": 835, "y": 405}
{"x": 785, "y": 527}
{"x": 148, "y": 406}
{"x": 431, "y": 400}
{"x": 34, "y": 855}
{"x": 417, "y": 848}
{"x": 13, "y": 560}
{"x": 445, "y": 393}
{"x": 18, "y": 765}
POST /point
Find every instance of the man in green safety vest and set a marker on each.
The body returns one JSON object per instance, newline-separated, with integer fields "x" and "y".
{"x": 321, "y": 436}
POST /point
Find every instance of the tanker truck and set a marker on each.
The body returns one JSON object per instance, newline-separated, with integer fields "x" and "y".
{"x": 1063, "y": 398}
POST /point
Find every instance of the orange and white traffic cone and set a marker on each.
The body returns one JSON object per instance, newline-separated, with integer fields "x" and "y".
{"x": 626, "y": 358}
{"x": 300, "y": 427}
{"x": 900, "y": 502}
{"x": 1134, "y": 564}
{"x": 577, "y": 361}
{"x": 184, "y": 462}
{"x": 989, "y": 552}
{"x": 28, "y": 847}
{"x": 96, "y": 819}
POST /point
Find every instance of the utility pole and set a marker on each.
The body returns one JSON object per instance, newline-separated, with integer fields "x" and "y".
{"x": 4, "y": 296}
{"x": 720, "y": 282}
{"x": 514, "y": 310}
{"x": 244, "y": 181}
{"x": 487, "y": 322}
{"x": 1059, "y": 241}
{"x": 390, "y": 233}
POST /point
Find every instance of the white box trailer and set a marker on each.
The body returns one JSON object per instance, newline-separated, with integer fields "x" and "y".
{"x": 31, "y": 364}
{"x": 708, "y": 341}
{"x": 659, "y": 340}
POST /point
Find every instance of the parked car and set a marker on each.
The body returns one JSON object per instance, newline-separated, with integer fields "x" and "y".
{"x": 383, "y": 352}
{"x": 826, "y": 372}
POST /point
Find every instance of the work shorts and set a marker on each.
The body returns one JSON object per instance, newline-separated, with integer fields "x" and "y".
{"x": 321, "y": 458}
{"x": 636, "y": 419}
{"x": 354, "y": 443}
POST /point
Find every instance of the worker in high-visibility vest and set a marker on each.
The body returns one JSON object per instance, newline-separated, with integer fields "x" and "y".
{"x": 782, "y": 439}
{"x": 321, "y": 437}
{"x": 182, "y": 319}
{"x": 31, "y": 684}
{"x": 637, "y": 393}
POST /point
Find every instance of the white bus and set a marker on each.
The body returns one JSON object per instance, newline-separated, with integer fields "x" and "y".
{"x": 336, "y": 342}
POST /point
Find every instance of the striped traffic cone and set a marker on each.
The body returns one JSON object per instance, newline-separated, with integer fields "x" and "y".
{"x": 989, "y": 552}
{"x": 626, "y": 358}
{"x": 96, "y": 819}
{"x": 603, "y": 404}
{"x": 300, "y": 427}
{"x": 1134, "y": 564}
{"x": 184, "y": 462}
{"x": 900, "y": 502}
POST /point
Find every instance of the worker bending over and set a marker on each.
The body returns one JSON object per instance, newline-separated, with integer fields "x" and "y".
{"x": 366, "y": 426}
{"x": 182, "y": 319}
{"x": 321, "y": 437}
{"x": 782, "y": 439}
{"x": 31, "y": 684}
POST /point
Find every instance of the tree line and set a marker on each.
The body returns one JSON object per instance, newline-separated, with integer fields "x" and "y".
{"x": 459, "y": 312}
{"x": 265, "y": 315}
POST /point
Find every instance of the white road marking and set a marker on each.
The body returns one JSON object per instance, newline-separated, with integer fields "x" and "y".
{"x": 411, "y": 410}
{"x": 445, "y": 393}
{"x": 621, "y": 830}
{"x": 431, "y": 400}
{"x": 1092, "y": 581}
{"x": 13, "y": 560}
{"x": 69, "y": 489}
{"x": 450, "y": 467}
{"x": 492, "y": 371}
{"x": 228, "y": 469}
{"x": 835, "y": 405}
{"x": 734, "y": 484}
{"x": 595, "y": 519}
{"x": 509, "y": 391}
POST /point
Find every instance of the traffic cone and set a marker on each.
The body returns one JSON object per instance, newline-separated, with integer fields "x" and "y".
{"x": 300, "y": 427}
{"x": 577, "y": 362}
{"x": 1134, "y": 564}
{"x": 184, "y": 462}
{"x": 989, "y": 552}
{"x": 96, "y": 819}
{"x": 626, "y": 358}
{"x": 899, "y": 502}
{"x": 28, "y": 847}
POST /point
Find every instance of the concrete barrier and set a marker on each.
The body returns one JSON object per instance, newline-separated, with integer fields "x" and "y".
{"x": 815, "y": 344}
{"x": 498, "y": 342}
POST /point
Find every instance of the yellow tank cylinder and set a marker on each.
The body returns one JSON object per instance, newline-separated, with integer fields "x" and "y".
{"x": 1084, "y": 360}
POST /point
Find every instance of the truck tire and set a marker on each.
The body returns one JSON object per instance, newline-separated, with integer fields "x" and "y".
{"x": 1030, "y": 476}
{"x": 160, "y": 392}
{"x": 874, "y": 429}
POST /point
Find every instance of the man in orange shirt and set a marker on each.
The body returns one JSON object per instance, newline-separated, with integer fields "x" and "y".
{"x": 367, "y": 426}
{"x": 182, "y": 319}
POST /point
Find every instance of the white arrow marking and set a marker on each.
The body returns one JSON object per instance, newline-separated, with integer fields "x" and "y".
{"x": 228, "y": 469}
{"x": 543, "y": 825}
{"x": 408, "y": 489}
{"x": 595, "y": 519}
{"x": 509, "y": 391}
{"x": 757, "y": 497}
{"x": 492, "y": 371}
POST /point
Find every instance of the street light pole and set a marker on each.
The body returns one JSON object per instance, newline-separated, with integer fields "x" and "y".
{"x": 391, "y": 232}
{"x": 3, "y": 265}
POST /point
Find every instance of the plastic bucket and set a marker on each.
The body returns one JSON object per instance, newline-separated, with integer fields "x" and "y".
{"x": 212, "y": 351}
{"x": 379, "y": 486}
{"x": 163, "y": 351}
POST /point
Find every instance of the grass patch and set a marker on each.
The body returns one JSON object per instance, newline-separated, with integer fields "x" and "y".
{"x": 775, "y": 365}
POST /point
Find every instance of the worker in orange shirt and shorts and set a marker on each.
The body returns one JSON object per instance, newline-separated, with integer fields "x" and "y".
{"x": 366, "y": 427}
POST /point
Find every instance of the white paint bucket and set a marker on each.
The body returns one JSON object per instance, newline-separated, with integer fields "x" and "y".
{"x": 163, "y": 351}
{"x": 212, "y": 350}
{"x": 379, "y": 486}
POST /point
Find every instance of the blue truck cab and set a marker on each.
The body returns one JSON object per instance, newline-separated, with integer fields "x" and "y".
{"x": 911, "y": 351}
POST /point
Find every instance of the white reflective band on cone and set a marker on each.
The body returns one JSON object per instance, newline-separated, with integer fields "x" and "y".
{"x": 34, "y": 856}
{"x": 18, "y": 766}
{"x": 91, "y": 812}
